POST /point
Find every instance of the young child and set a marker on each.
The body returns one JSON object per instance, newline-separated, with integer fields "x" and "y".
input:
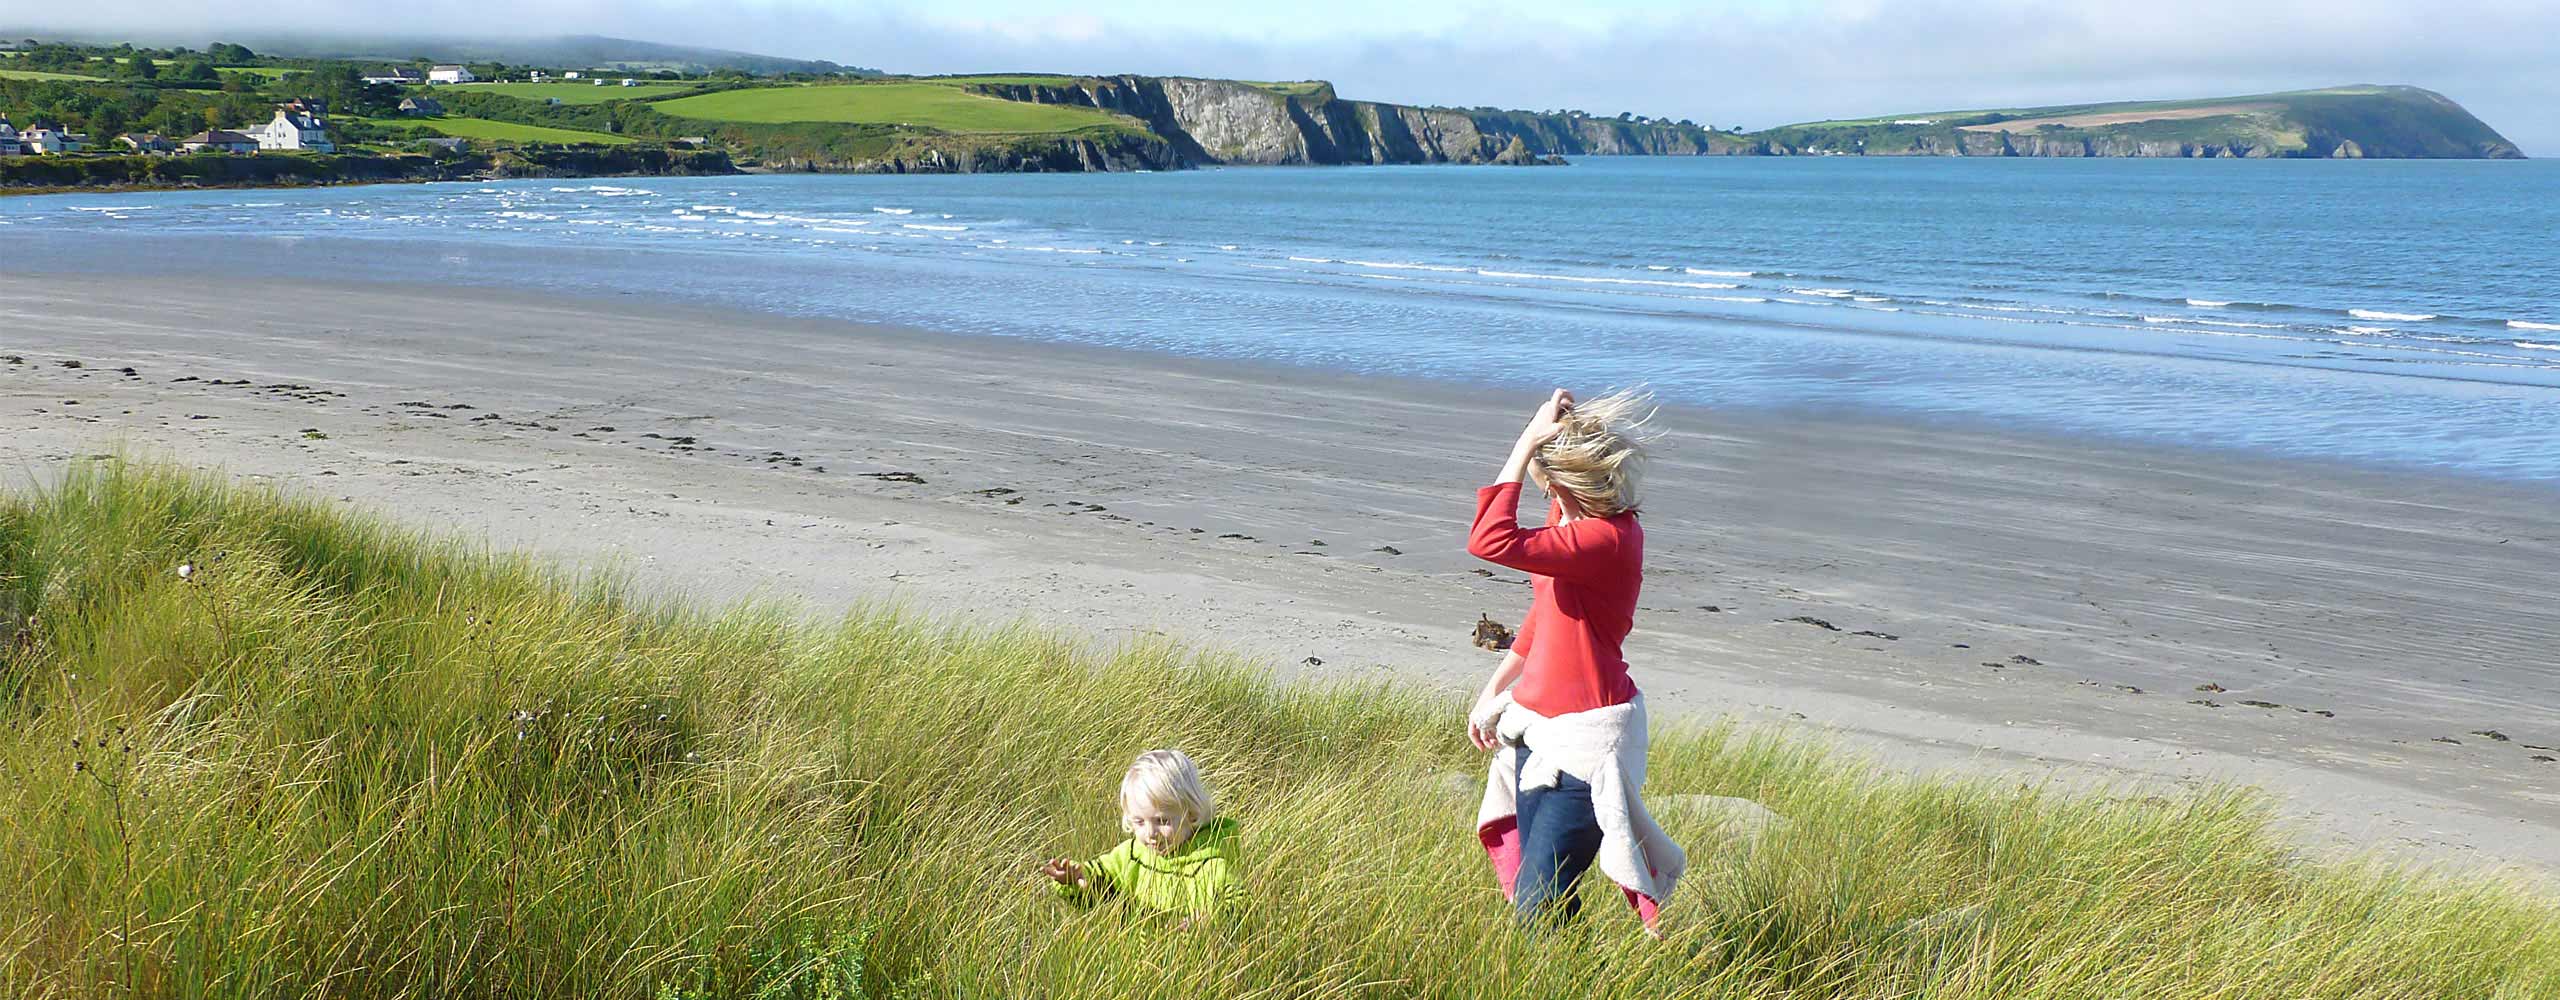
{"x": 1180, "y": 856}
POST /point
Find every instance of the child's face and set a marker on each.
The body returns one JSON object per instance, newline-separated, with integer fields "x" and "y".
{"x": 1155, "y": 827}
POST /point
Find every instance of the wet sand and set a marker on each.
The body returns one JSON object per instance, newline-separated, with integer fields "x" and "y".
{"x": 2374, "y": 648}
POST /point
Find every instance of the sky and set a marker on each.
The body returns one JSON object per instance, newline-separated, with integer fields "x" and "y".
{"x": 1754, "y": 63}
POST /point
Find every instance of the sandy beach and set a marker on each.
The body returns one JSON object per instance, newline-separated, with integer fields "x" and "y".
{"x": 2373, "y": 648}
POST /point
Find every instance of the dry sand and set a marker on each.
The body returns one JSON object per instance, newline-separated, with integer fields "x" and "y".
{"x": 1988, "y": 602}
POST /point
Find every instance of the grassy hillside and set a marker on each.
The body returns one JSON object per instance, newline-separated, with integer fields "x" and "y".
{"x": 35, "y": 74}
{"x": 935, "y": 104}
{"x": 2360, "y": 120}
{"x": 331, "y": 757}
{"x": 497, "y": 131}
{"x": 569, "y": 92}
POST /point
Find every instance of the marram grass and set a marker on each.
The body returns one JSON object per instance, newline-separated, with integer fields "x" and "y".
{"x": 337, "y": 759}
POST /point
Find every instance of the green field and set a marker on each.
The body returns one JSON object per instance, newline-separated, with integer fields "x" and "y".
{"x": 495, "y": 131}
{"x": 1001, "y": 79}
{"x": 336, "y": 759}
{"x": 264, "y": 72}
{"x": 1292, "y": 88}
{"x": 571, "y": 92}
{"x": 941, "y": 106}
{"x": 2109, "y": 107}
{"x": 33, "y": 74}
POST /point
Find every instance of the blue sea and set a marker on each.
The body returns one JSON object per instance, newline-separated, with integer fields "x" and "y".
{"x": 2391, "y": 313}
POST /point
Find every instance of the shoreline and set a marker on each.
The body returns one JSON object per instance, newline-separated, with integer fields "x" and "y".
{"x": 1092, "y": 489}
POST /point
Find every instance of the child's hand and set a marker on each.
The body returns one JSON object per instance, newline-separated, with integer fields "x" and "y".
{"x": 1063, "y": 871}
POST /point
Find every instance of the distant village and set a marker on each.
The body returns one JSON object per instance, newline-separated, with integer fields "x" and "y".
{"x": 298, "y": 125}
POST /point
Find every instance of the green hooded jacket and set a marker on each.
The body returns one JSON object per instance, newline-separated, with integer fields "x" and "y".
{"x": 1197, "y": 878}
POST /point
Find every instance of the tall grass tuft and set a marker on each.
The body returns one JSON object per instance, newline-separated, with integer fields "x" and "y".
{"x": 333, "y": 758}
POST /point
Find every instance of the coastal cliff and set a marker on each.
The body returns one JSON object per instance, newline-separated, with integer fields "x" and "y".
{"x": 1228, "y": 122}
{"x": 2358, "y": 122}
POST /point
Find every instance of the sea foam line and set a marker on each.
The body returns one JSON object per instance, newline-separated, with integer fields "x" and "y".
{"x": 1397, "y": 266}
{"x": 1584, "y": 279}
{"x": 2235, "y": 324}
{"x": 2392, "y": 316}
{"x": 2517, "y": 324}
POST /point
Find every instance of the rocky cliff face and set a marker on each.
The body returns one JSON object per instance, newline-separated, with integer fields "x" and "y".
{"x": 1198, "y": 122}
{"x": 1211, "y": 122}
{"x": 942, "y": 154}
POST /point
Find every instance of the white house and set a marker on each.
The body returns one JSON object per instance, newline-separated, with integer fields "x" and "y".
{"x": 8, "y": 137}
{"x": 535, "y": 77}
{"x": 401, "y": 76}
{"x": 218, "y": 141}
{"x": 51, "y": 140}
{"x": 571, "y": 75}
{"x": 296, "y": 126}
{"x": 450, "y": 74}
{"x": 629, "y": 82}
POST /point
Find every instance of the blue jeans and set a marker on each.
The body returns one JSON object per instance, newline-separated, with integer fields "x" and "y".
{"x": 1559, "y": 838}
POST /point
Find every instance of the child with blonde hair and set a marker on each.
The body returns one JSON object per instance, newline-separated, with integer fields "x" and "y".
{"x": 1180, "y": 856}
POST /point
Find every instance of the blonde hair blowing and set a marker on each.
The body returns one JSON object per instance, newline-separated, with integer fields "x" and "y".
{"x": 1168, "y": 779}
{"x": 1599, "y": 456}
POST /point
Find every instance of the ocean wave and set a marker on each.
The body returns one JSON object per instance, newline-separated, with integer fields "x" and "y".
{"x": 2193, "y": 321}
{"x": 2368, "y": 331}
{"x": 932, "y": 227}
{"x": 1589, "y": 280}
{"x": 838, "y": 229}
{"x": 1313, "y": 260}
{"x": 886, "y": 210}
{"x": 1870, "y": 298}
{"x": 2206, "y": 303}
{"x": 1396, "y": 266}
{"x": 2517, "y": 324}
{"x": 689, "y": 217}
{"x": 1717, "y": 274}
{"x": 110, "y": 208}
{"x": 1828, "y": 293}
{"x": 2537, "y": 346}
{"x": 2391, "y": 316}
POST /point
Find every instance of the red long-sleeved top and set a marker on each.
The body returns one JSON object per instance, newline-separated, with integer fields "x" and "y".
{"x": 1584, "y": 578}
